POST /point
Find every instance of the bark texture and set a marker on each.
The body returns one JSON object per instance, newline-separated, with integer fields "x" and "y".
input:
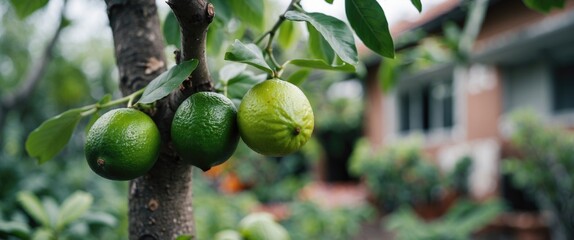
{"x": 159, "y": 202}
{"x": 194, "y": 17}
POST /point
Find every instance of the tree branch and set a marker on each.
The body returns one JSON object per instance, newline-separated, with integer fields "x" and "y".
{"x": 474, "y": 20}
{"x": 160, "y": 201}
{"x": 278, "y": 68}
{"x": 194, "y": 17}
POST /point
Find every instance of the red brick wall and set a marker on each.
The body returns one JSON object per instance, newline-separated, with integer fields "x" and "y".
{"x": 483, "y": 109}
{"x": 374, "y": 113}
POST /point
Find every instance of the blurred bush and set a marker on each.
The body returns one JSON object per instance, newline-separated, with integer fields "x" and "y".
{"x": 215, "y": 211}
{"x": 48, "y": 220}
{"x": 72, "y": 78}
{"x": 310, "y": 221}
{"x": 545, "y": 168}
{"x": 459, "y": 223}
{"x": 397, "y": 175}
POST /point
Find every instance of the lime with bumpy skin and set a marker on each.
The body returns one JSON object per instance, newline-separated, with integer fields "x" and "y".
{"x": 275, "y": 118}
{"x": 123, "y": 144}
{"x": 204, "y": 129}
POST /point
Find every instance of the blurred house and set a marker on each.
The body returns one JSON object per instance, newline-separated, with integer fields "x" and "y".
{"x": 520, "y": 59}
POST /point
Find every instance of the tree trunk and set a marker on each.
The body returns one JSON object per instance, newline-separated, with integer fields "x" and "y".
{"x": 159, "y": 202}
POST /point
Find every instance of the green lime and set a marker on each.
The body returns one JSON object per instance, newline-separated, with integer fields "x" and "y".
{"x": 228, "y": 235}
{"x": 122, "y": 144}
{"x": 204, "y": 129}
{"x": 261, "y": 226}
{"x": 275, "y": 118}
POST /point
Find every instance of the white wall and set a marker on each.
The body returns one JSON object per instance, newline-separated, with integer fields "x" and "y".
{"x": 527, "y": 86}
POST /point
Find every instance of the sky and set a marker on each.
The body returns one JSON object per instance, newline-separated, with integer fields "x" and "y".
{"x": 395, "y": 10}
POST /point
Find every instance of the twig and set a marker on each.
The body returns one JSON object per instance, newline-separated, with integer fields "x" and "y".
{"x": 271, "y": 33}
{"x": 474, "y": 21}
{"x": 277, "y": 24}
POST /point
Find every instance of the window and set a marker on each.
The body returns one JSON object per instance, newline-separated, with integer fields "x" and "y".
{"x": 427, "y": 107}
{"x": 404, "y": 110}
{"x": 563, "y": 82}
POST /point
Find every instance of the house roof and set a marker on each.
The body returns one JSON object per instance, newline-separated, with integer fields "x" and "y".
{"x": 538, "y": 31}
{"x": 430, "y": 19}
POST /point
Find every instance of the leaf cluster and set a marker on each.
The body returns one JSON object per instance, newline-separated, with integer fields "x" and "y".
{"x": 46, "y": 141}
{"x": 400, "y": 174}
{"x": 459, "y": 223}
{"x": 545, "y": 166}
{"x": 53, "y": 221}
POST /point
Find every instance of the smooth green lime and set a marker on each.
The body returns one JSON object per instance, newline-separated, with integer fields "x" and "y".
{"x": 275, "y": 118}
{"x": 122, "y": 144}
{"x": 204, "y": 129}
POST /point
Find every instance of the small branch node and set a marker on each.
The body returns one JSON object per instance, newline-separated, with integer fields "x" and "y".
{"x": 177, "y": 53}
{"x": 210, "y": 12}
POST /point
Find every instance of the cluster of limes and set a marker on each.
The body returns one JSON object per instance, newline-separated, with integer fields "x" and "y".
{"x": 274, "y": 119}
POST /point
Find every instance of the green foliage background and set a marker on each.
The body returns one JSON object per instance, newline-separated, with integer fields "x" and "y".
{"x": 76, "y": 77}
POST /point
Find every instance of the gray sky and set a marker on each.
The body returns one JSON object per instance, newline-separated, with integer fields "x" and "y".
{"x": 395, "y": 10}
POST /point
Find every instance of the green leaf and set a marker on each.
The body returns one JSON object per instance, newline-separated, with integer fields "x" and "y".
{"x": 165, "y": 83}
{"x": 25, "y": 8}
{"x": 240, "y": 84}
{"x": 171, "y": 31}
{"x": 43, "y": 234}
{"x": 65, "y": 22}
{"x": 51, "y": 136}
{"x": 388, "y": 73}
{"x": 72, "y": 208}
{"x": 288, "y": 35}
{"x": 544, "y": 5}
{"x": 329, "y": 1}
{"x": 17, "y": 229}
{"x": 184, "y": 237}
{"x": 34, "y": 208}
{"x": 320, "y": 64}
{"x": 335, "y": 31}
{"x": 299, "y": 76}
{"x": 318, "y": 46}
{"x": 249, "y": 54}
{"x": 417, "y": 4}
{"x": 100, "y": 218}
{"x": 52, "y": 208}
{"x": 230, "y": 71}
{"x": 368, "y": 20}
{"x": 251, "y": 12}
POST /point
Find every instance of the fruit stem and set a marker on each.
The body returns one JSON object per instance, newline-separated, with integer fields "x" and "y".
{"x": 89, "y": 112}
{"x": 225, "y": 89}
{"x": 271, "y": 33}
{"x": 92, "y": 108}
{"x": 128, "y": 98}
